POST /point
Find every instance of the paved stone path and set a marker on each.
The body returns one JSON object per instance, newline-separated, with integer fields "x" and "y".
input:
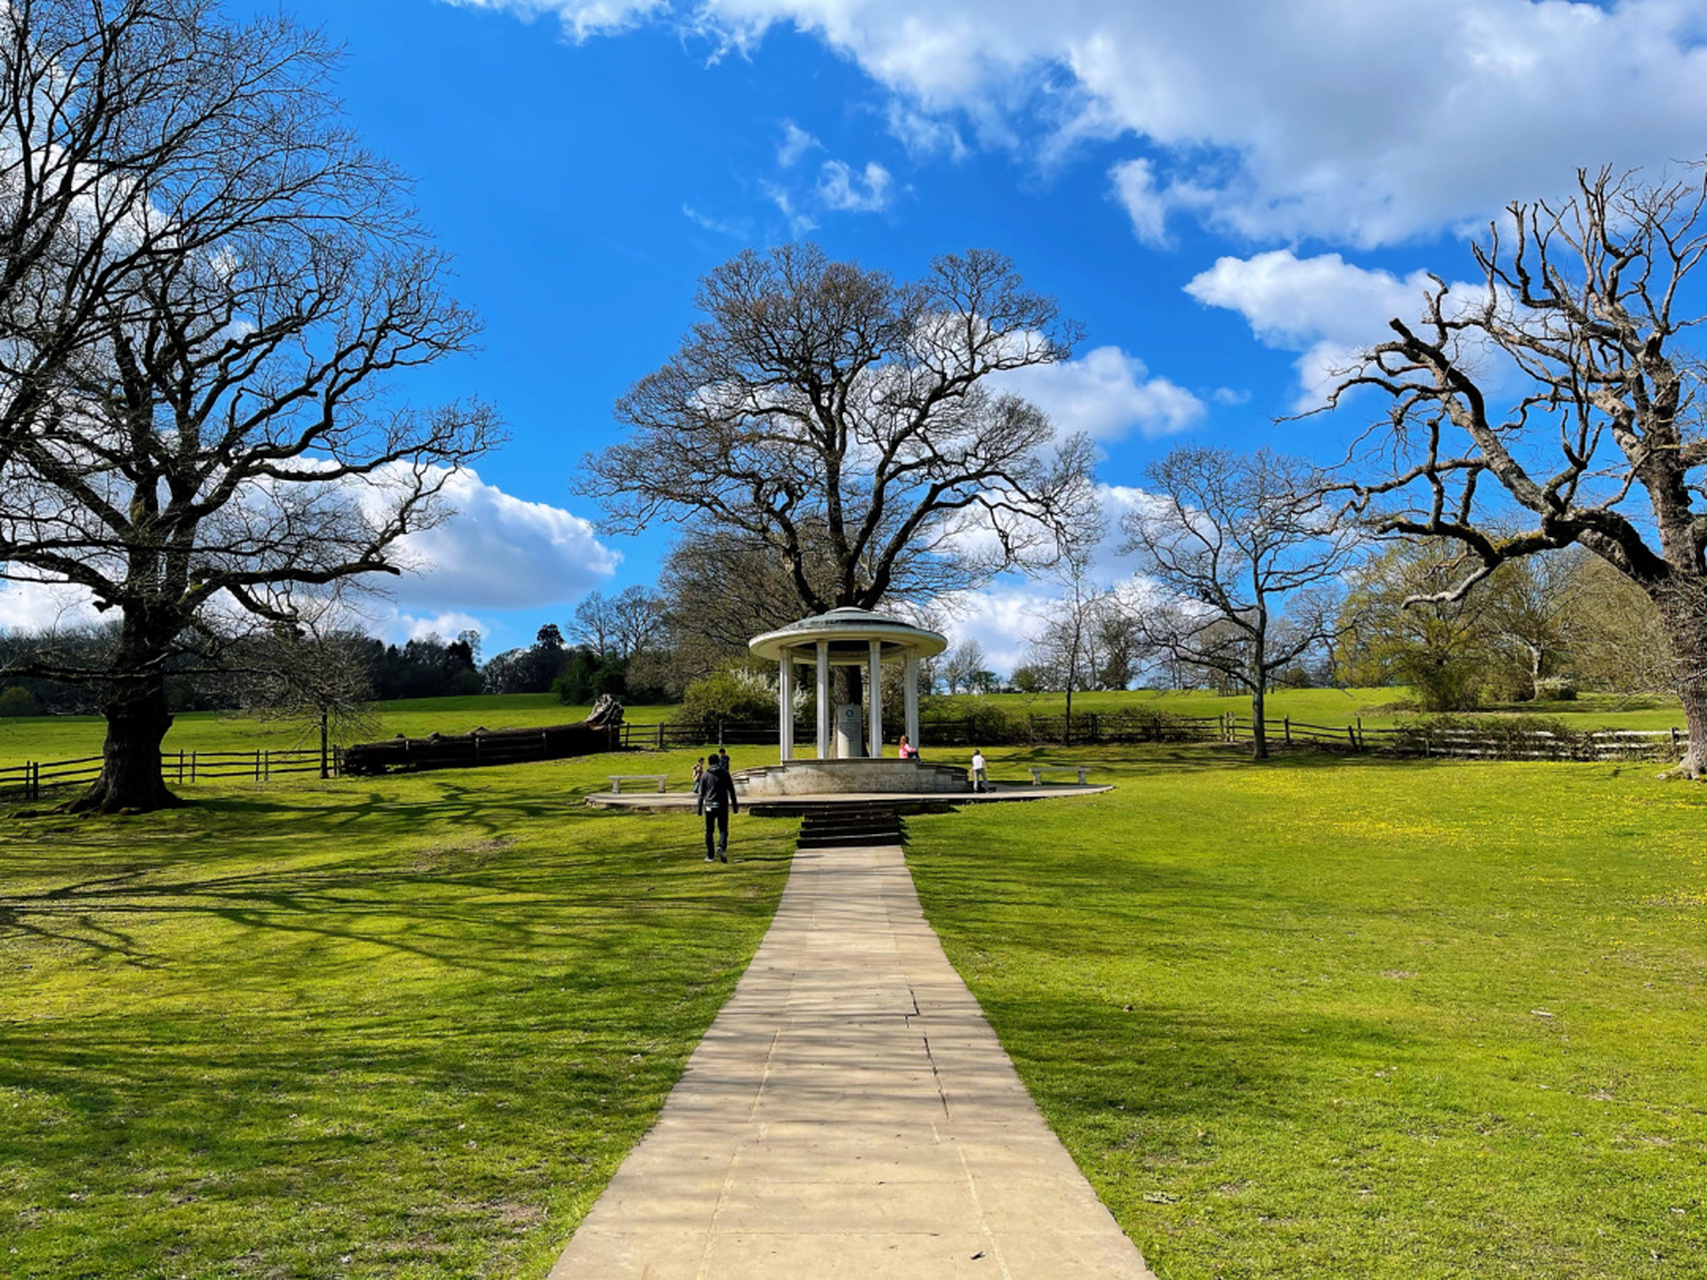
{"x": 849, "y": 1113}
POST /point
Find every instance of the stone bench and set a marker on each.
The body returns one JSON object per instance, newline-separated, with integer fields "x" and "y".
{"x": 1037, "y": 772}
{"x": 617, "y": 779}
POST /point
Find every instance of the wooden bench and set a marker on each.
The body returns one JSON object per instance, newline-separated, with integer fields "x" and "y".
{"x": 1037, "y": 772}
{"x": 617, "y": 779}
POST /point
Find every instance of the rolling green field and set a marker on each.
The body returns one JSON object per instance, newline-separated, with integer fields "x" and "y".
{"x": 1336, "y": 708}
{"x": 1318, "y": 1017}
{"x": 1354, "y": 1017}
{"x": 399, "y": 1028}
{"x": 72, "y": 737}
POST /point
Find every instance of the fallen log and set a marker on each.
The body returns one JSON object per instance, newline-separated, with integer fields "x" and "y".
{"x": 600, "y": 731}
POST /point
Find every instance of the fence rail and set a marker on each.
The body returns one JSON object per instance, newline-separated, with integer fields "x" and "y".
{"x": 27, "y": 781}
{"x": 1489, "y": 743}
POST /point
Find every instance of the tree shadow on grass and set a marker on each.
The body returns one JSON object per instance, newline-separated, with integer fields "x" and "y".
{"x": 463, "y": 893}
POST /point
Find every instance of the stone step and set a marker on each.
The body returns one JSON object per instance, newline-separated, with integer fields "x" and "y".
{"x": 845, "y": 828}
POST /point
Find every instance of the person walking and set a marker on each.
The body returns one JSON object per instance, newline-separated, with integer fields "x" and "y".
{"x": 979, "y": 782}
{"x": 716, "y": 792}
{"x": 723, "y": 755}
{"x": 698, "y": 773}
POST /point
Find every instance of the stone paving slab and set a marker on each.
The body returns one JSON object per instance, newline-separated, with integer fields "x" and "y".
{"x": 849, "y": 1114}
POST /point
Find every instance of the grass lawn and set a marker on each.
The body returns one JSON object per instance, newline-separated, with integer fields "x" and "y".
{"x": 1354, "y": 1017}
{"x": 396, "y": 1027}
{"x": 72, "y": 737}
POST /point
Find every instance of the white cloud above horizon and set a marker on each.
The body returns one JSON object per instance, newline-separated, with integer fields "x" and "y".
{"x": 1269, "y": 122}
{"x": 1106, "y": 393}
{"x": 1005, "y": 617}
{"x": 497, "y": 553}
{"x": 1323, "y": 307}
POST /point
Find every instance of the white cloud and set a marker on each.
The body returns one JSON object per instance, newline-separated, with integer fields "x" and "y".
{"x": 1106, "y": 393}
{"x": 496, "y": 552}
{"x": 799, "y": 221}
{"x": 1135, "y": 188}
{"x": 736, "y": 228}
{"x": 1362, "y": 124}
{"x": 924, "y": 135}
{"x": 33, "y": 607}
{"x": 841, "y": 189}
{"x": 580, "y": 19}
{"x": 1292, "y": 301}
{"x": 1001, "y": 620}
{"x": 447, "y": 626}
{"x": 499, "y": 552}
{"x": 1004, "y": 618}
{"x": 1324, "y": 307}
{"x": 796, "y": 142}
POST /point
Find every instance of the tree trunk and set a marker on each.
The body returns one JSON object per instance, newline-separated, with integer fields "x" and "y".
{"x": 1685, "y": 619}
{"x": 1259, "y": 735}
{"x": 131, "y": 780}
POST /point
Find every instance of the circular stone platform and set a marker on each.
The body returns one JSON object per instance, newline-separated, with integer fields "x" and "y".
{"x": 791, "y": 805}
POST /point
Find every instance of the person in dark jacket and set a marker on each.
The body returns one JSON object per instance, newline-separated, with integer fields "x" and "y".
{"x": 716, "y": 791}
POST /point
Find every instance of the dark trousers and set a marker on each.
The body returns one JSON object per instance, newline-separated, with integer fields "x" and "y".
{"x": 717, "y": 819}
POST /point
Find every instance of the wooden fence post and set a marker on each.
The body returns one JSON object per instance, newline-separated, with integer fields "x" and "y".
{"x": 660, "y": 735}
{"x": 1286, "y": 722}
{"x": 1359, "y": 742}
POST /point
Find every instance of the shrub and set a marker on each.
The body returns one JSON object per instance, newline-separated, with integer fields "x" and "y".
{"x": 737, "y": 690}
{"x": 15, "y": 700}
{"x": 1555, "y": 689}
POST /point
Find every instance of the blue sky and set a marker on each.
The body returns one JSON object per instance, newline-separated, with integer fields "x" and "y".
{"x": 1225, "y": 194}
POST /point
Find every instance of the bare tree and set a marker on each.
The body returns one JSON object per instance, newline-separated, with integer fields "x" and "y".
{"x": 638, "y": 615}
{"x": 1602, "y": 444}
{"x": 216, "y": 439}
{"x": 1250, "y": 548}
{"x": 1066, "y": 648}
{"x": 595, "y": 623}
{"x": 962, "y": 663}
{"x": 315, "y": 673}
{"x": 846, "y": 422}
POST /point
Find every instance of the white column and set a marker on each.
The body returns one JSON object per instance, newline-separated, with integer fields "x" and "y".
{"x": 911, "y": 683}
{"x": 785, "y": 688}
{"x": 875, "y": 698}
{"x": 824, "y": 700}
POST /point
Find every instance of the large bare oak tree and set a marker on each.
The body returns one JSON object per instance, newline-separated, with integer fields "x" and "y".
{"x": 1587, "y": 308}
{"x": 849, "y": 424}
{"x": 207, "y": 289}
